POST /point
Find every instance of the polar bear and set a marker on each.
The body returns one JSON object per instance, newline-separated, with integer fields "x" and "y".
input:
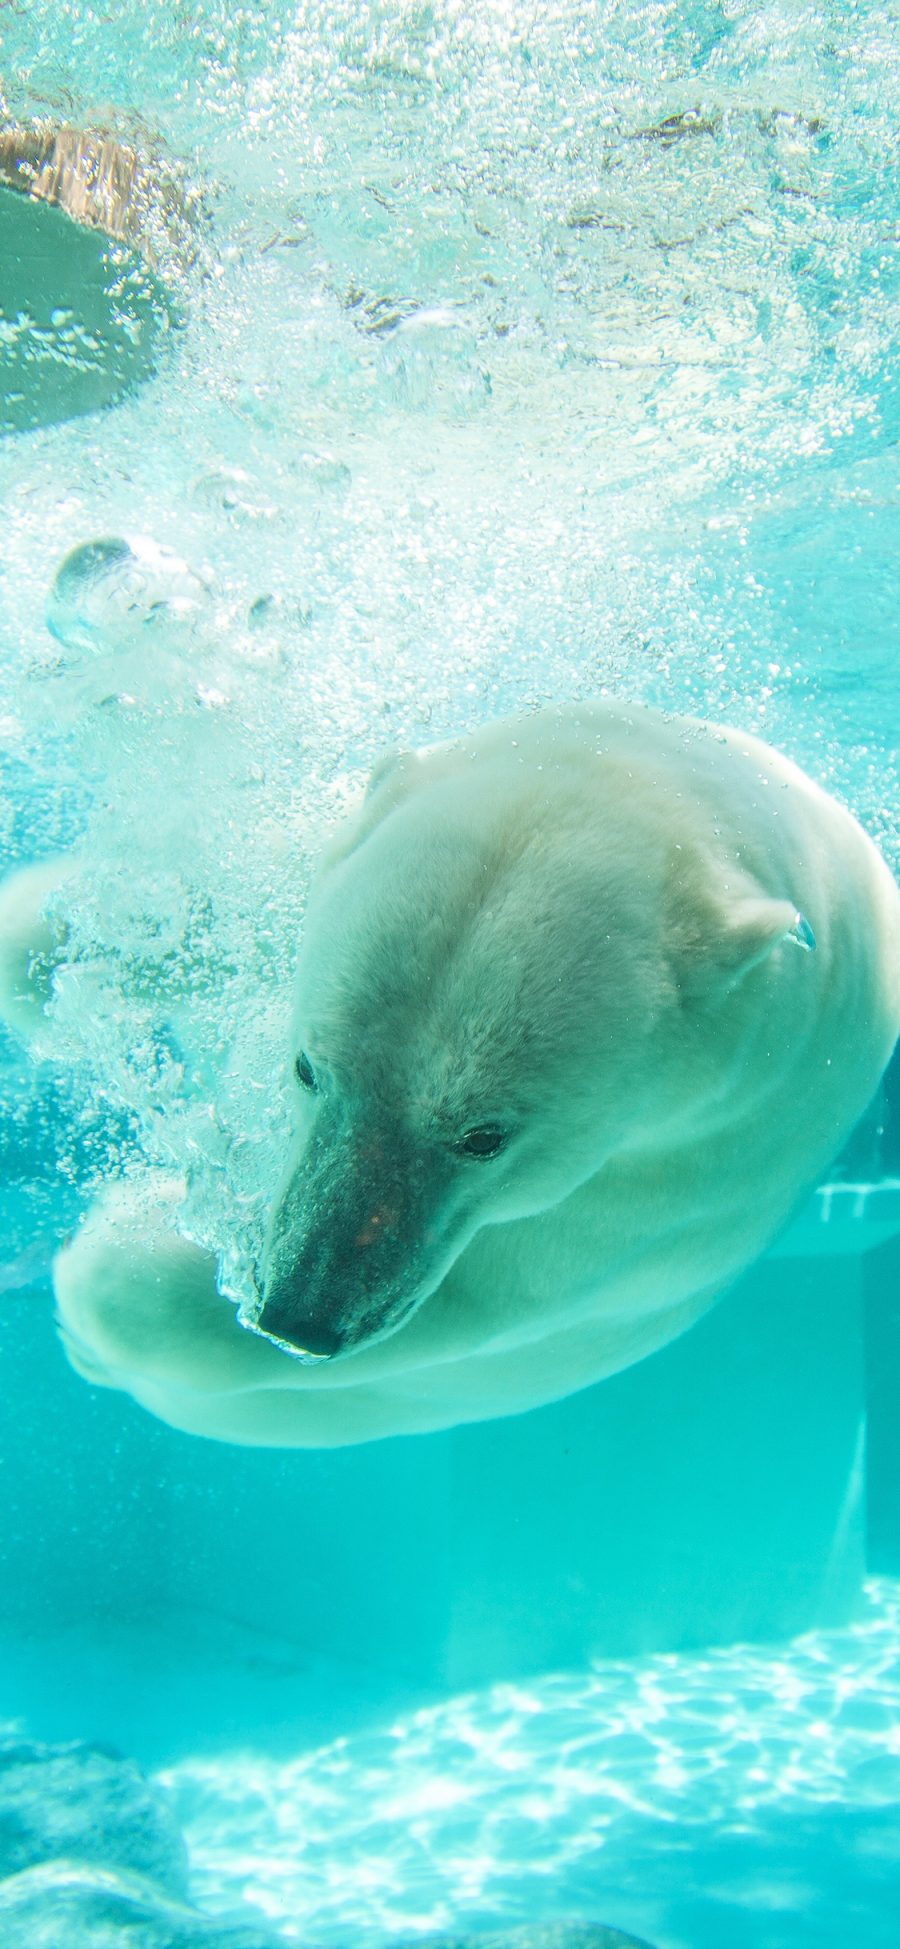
{"x": 585, "y": 1003}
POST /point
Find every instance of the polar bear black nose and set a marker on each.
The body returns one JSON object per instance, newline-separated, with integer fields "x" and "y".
{"x": 320, "y": 1340}
{"x": 310, "y": 1337}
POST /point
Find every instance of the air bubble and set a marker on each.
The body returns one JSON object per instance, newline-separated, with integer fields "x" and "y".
{"x": 323, "y": 472}
{"x": 107, "y": 592}
{"x": 431, "y": 363}
{"x": 272, "y": 611}
{"x": 232, "y": 491}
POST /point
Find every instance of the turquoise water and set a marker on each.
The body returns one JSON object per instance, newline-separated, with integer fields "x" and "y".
{"x": 520, "y": 353}
{"x": 742, "y": 1797}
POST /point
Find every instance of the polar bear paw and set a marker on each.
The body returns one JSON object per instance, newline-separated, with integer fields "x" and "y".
{"x": 138, "y": 1306}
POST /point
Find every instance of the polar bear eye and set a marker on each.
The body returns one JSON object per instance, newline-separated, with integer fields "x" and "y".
{"x": 304, "y": 1072}
{"x": 484, "y": 1142}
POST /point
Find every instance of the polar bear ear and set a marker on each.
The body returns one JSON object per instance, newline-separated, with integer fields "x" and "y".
{"x": 394, "y": 769}
{"x": 391, "y": 780}
{"x": 755, "y": 925}
{"x": 720, "y": 928}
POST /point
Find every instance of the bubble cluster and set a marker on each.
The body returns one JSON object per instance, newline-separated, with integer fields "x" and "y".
{"x": 526, "y": 353}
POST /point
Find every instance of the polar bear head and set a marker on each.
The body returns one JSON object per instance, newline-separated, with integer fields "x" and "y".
{"x": 486, "y": 1008}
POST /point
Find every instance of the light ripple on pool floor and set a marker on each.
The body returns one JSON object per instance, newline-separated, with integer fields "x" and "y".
{"x": 577, "y": 1790}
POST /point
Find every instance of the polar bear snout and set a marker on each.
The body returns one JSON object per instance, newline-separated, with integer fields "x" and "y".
{"x": 340, "y": 1283}
{"x": 353, "y": 1245}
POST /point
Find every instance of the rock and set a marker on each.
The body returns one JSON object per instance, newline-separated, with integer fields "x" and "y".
{"x": 94, "y": 239}
{"x": 101, "y": 183}
{"x": 70, "y": 1905}
{"x": 87, "y": 1804}
{"x": 91, "y": 1858}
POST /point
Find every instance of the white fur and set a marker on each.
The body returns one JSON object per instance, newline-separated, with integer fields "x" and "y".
{"x": 581, "y": 924}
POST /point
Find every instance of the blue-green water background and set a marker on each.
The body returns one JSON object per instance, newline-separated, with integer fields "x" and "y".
{"x": 526, "y": 351}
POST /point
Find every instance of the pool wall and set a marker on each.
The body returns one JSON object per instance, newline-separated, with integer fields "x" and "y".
{"x": 714, "y": 1493}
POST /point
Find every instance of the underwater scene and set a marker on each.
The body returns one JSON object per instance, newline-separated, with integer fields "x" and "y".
{"x": 449, "y": 975}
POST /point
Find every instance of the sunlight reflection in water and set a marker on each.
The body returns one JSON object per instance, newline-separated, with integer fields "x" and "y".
{"x": 501, "y": 1803}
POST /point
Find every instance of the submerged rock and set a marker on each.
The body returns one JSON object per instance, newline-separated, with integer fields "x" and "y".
{"x": 96, "y": 240}
{"x": 71, "y": 1905}
{"x": 102, "y": 183}
{"x": 86, "y": 1804}
{"x": 91, "y": 1858}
